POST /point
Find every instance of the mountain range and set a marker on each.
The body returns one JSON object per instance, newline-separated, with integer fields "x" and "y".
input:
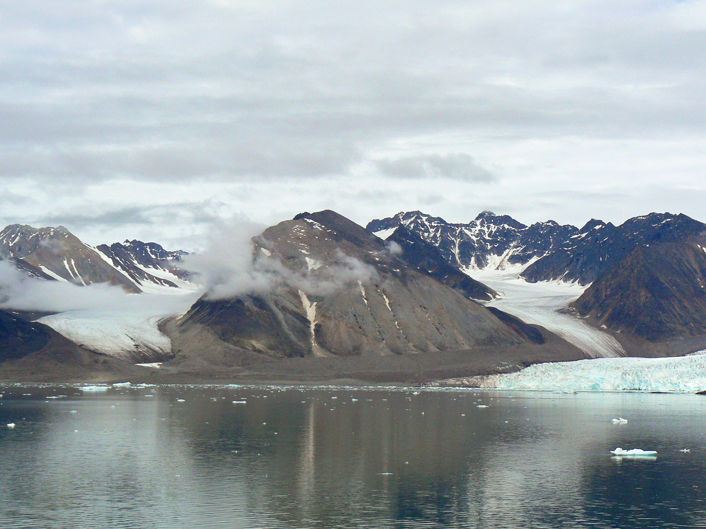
{"x": 320, "y": 297}
{"x": 57, "y": 254}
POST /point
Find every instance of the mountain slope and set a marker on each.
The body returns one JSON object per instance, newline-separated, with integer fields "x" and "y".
{"x": 58, "y": 253}
{"x": 487, "y": 241}
{"x": 147, "y": 263}
{"x": 657, "y": 293}
{"x": 334, "y": 289}
{"x": 426, "y": 258}
{"x": 598, "y": 246}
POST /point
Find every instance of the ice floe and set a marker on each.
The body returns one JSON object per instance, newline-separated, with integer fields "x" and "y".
{"x": 94, "y": 388}
{"x": 634, "y": 452}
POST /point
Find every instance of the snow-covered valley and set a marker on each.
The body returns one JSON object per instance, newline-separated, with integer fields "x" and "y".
{"x": 541, "y": 304}
{"x": 127, "y": 329}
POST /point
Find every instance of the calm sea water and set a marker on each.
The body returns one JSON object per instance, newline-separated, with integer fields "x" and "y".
{"x": 191, "y": 457}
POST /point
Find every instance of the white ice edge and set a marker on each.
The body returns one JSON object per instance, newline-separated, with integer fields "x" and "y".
{"x": 684, "y": 374}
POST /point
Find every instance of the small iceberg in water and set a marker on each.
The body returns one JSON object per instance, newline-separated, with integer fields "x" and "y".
{"x": 619, "y": 420}
{"x": 11, "y": 425}
{"x": 635, "y": 452}
{"x": 93, "y": 388}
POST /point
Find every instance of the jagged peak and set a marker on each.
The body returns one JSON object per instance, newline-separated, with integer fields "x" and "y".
{"x": 592, "y": 225}
{"x": 488, "y": 217}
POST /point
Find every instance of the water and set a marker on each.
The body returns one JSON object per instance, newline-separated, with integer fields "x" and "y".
{"x": 346, "y": 457}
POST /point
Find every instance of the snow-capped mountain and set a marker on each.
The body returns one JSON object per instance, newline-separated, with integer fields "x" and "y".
{"x": 427, "y": 258}
{"x": 59, "y": 255}
{"x": 549, "y": 251}
{"x": 487, "y": 241}
{"x": 56, "y": 254}
{"x": 598, "y": 247}
{"x": 147, "y": 264}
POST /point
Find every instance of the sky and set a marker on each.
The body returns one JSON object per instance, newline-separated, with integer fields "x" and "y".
{"x": 155, "y": 120}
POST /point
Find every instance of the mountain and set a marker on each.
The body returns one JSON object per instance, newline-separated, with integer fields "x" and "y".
{"x": 487, "y": 241}
{"x": 147, "y": 263}
{"x": 549, "y": 251}
{"x": 59, "y": 254}
{"x": 32, "y": 352}
{"x": 427, "y": 258}
{"x": 656, "y": 293}
{"x": 334, "y": 289}
{"x": 598, "y": 247}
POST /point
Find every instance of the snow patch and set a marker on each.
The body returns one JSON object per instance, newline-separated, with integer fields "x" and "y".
{"x": 384, "y": 234}
{"x": 312, "y": 264}
{"x": 51, "y": 274}
{"x": 310, "y": 309}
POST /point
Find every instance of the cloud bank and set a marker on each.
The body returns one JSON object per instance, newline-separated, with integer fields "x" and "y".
{"x": 115, "y": 111}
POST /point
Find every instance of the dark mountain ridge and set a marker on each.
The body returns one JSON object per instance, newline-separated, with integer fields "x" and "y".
{"x": 549, "y": 251}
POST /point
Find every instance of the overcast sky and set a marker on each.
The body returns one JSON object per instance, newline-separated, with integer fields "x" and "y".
{"x": 154, "y": 119}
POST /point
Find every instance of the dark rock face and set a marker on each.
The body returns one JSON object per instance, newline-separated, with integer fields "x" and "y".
{"x": 427, "y": 259}
{"x": 340, "y": 291}
{"x": 133, "y": 257}
{"x": 658, "y": 292}
{"x": 488, "y": 240}
{"x": 598, "y": 247}
{"x": 550, "y": 250}
{"x": 19, "y": 338}
{"x": 57, "y": 252}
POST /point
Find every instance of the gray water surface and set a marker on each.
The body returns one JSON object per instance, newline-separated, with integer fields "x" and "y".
{"x": 189, "y": 456}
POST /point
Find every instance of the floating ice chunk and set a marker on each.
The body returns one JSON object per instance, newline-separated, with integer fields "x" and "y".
{"x": 240, "y": 402}
{"x": 685, "y": 450}
{"x": 634, "y": 452}
{"x": 619, "y": 420}
{"x": 94, "y": 388}
{"x": 181, "y": 400}
{"x": 11, "y": 425}
{"x": 122, "y": 385}
{"x": 482, "y": 406}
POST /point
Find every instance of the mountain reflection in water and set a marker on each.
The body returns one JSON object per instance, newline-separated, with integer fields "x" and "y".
{"x": 256, "y": 457}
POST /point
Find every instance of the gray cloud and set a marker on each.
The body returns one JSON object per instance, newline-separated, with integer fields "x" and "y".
{"x": 231, "y": 267}
{"x": 298, "y": 94}
{"x": 456, "y": 166}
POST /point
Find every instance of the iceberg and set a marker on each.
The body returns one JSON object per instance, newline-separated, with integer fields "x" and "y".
{"x": 684, "y": 374}
{"x": 635, "y": 452}
{"x": 11, "y": 425}
{"x": 93, "y": 388}
{"x": 619, "y": 420}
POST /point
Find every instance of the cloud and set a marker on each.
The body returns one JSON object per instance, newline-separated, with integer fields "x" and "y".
{"x": 18, "y": 291}
{"x": 393, "y": 247}
{"x": 238, "y": 261}
{"x": 455, "y": 166}
{"x": 300, "y": 94}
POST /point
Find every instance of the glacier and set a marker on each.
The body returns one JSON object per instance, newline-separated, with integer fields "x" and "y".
{"x": 126, "y": 329}
{"x": 543, "y": 304}
{"x": 683, "y": 374}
